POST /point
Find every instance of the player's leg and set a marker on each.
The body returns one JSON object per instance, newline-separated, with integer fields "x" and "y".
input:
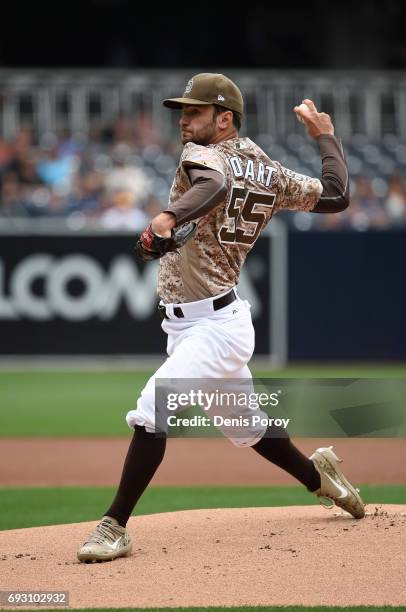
{"x": 110, "y": 538}
{"x": 144, "y": 456}
{"x": 147, "y": 448}
{"x": 277, "y": 447}
{"x": 197, "y": 351}
{"x": 272, "y": 443}
{"x": 320, "y": 473}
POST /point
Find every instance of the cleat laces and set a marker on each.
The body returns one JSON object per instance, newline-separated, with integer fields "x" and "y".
{"x": 105, "y": 531}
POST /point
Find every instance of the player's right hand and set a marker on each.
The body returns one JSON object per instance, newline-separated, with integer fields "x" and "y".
{"x": 316, "y": 123}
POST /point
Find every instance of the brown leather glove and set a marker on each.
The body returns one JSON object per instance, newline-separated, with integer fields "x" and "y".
{"x": 150, "y": 246}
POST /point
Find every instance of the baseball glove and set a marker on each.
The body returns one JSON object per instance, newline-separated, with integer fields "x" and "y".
{"x": 150, "y": 246}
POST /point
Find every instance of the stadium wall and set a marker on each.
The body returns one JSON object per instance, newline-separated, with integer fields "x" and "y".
{"x": 87, "y": 295}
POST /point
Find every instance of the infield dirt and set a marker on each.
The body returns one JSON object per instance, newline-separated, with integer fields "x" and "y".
{"x": 229, "y": 557}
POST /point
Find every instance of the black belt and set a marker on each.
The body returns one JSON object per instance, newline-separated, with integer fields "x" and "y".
{"x": 218, "y": 303}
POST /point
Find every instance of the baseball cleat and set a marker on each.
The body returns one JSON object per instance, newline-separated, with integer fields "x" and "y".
{"x": 108, "y": 541}
{"x": 334, "y": 485}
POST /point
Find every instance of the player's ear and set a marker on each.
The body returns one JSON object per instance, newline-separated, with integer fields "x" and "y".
{"x": 225, "y": 119}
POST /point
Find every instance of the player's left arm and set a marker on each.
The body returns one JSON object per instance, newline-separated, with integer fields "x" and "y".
{"x": 334, "y": 176}
{"x": 205, "y": 170}
{"x": 208, "y": 189}
{"x": 170, "y": 229}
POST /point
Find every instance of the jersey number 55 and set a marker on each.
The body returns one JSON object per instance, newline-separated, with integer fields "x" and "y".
{"x": 245, "y": 219}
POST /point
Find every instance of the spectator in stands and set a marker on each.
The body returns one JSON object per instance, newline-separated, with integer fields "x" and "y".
{"x": 145, "y": 131}
{"x": 11, "y": 203}
{"x": 88, "y": 197}
{"x": 5, "y": 155}
{"x": 153, "y": 207}
{"x": 366, "y": 210}
{"x": 395, "y": 200}
{"x": 55, "y": 170}
{"x": 125, "y": 176}
{"x": 123, "y": 212}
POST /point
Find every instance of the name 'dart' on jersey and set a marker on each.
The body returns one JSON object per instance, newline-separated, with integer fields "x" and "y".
{"x": 247, "y": 210}
{"x": 256, "y": 172}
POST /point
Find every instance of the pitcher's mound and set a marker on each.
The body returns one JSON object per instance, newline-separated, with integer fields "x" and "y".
{"x": 225, "y": 557}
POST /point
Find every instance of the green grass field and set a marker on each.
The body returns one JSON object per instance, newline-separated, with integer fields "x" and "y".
{"x": 36, "y": 506}
{"x": 71, "y": 403}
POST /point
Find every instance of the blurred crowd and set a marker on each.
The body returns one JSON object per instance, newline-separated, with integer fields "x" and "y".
{"x": 119, "y": 178}
{"x": 114, "y": 178}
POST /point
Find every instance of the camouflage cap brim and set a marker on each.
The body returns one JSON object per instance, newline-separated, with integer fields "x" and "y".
{"x": 178, "y": 102}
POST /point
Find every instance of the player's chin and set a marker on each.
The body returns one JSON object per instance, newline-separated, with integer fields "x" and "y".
{"x": 198, "y": 141}
{"x": 187, "y": 137}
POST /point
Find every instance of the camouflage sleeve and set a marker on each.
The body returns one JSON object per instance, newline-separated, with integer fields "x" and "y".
{"x": 295, "y": 191}
{"x": 206, "y": 157}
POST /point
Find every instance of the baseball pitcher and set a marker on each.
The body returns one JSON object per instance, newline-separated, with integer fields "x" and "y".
{"x": 225, "y": 191}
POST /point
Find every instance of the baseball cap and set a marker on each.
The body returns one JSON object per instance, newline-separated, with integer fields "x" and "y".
{"x": 210, "y": 88}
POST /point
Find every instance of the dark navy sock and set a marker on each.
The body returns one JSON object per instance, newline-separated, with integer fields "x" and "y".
{"x": 277, "y": 447}
{"x": 144, "y": 456}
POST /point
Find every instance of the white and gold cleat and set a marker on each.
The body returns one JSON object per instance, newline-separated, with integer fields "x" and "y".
{"x": 334, "y": 485}
{"x": 108, "y": 541}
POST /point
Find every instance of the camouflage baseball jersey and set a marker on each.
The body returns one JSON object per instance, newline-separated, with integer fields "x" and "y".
{"x": 211, "y": 261}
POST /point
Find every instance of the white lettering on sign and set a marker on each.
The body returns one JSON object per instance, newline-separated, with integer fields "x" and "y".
{"x": 103, "y": 291}
{"x": 102, "y": 295}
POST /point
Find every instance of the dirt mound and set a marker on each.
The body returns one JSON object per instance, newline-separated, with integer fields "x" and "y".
{"x": 229, "y": 557}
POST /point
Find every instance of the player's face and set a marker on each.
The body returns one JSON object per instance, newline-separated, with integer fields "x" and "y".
{"x": 198, "y": 124}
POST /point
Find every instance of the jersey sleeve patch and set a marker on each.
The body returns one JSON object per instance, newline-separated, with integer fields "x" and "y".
{"x": 197, "y": 155}
{"x": 297, "y": 191}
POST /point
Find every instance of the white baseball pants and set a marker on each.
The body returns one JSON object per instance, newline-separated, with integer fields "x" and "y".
{"x": 205, "y": 344}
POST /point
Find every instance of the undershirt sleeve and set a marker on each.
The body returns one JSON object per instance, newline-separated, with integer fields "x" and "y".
{"x": 207, "y": 191}
{"x": 334, "y": 176}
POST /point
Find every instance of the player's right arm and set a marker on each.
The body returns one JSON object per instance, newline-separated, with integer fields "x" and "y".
{"x": 334, "y": 176}
{"x": 330, "y": 194}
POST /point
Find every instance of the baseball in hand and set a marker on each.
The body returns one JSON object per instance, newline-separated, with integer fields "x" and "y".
{"x": 301, "y": 107}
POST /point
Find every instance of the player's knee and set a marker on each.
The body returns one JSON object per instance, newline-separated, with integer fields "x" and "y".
{"x": 250, "y": 438}
{"x": 243, "y": 443}
{"x": 144, "y": 429}
{"x": 137, "y": 417}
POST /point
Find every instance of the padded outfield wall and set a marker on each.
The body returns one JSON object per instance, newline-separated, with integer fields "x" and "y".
{"x": 315, "y": 296}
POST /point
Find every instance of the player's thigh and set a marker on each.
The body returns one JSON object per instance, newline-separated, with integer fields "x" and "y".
{"x": 236, "y": 333}
{"x": 241, "y": 421}
{"x": 199, "y": 355}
